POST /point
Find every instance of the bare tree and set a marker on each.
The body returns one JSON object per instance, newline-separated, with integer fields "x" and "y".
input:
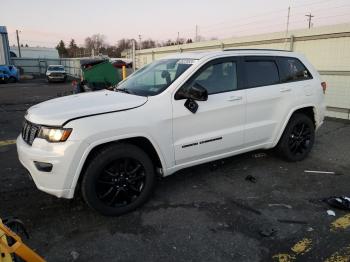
{"x": 124, "y": 44}
{"x": 149, "y": 43}
{"x": 96, "y": 42}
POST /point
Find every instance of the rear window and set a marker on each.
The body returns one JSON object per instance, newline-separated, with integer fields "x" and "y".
{"x": 293, "y": 70}
{"x": 261, "y": 73}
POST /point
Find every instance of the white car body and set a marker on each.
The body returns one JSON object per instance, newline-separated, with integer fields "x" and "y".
{"x": 226, "y": 124}
{"x": 56, "y": 73}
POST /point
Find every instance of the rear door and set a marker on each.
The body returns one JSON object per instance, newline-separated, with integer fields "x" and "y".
{"x": 268, "y": 99}
{"x": 218, "y": 125}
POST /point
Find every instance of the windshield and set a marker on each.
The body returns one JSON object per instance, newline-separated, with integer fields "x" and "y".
{"x": 156, "y": 77}
{"x": 56, "y": 68}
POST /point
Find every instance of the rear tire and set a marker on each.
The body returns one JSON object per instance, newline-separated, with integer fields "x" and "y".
{"x": 297, "y": 139}
{"x": 119, "y": 179}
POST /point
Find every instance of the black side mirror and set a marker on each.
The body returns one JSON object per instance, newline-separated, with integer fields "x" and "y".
{"x": 197, "y": 92}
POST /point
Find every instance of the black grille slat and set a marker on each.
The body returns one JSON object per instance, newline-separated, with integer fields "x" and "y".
{"x": 29, "y": 132}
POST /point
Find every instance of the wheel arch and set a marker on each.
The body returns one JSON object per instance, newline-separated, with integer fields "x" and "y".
{"x": 142, "y": 141}
{"x": 308, "y": 110}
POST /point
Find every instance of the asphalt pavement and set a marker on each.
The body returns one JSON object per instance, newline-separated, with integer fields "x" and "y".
{"x": 209, "y": 212}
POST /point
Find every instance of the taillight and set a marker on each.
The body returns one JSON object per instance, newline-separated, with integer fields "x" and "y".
{"x": 324, "y": 87}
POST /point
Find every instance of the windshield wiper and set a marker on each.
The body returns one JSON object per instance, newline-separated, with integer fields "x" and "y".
{"x": 124, "y": 90}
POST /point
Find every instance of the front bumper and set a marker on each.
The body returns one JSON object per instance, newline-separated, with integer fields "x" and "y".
{"x": 57, "y": 77}
{"x": 58, "y": 181}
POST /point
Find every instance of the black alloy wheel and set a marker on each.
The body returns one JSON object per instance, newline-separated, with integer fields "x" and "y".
{"x": 121, "y": 182}
{"x": 300, "y": 139}
{"x": 118, "y": 179}
{"x": 297, "y": 139}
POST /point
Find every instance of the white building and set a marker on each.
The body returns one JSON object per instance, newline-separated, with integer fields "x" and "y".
{"x": 35, "y": 52}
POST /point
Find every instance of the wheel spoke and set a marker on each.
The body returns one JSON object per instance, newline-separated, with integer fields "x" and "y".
{"x": 136, "y": 178}
{"x": 134, "y": 170}
{"x": 133, "y": 188}
{"x": 301, "y": 129}
{"x": 114, "y": 198}
{"x": 100, "y": 181}
{"x": 294, "y": 148}
{"x": 126, "y": 164}
{"x": 110, "y": 173}
{"x": 107, "y": 193}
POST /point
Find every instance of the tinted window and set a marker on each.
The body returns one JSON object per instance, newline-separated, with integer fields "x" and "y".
{"x": 261, "y": 73}
{"x": 218, "y": 78}
{"x": 293, "y": 70}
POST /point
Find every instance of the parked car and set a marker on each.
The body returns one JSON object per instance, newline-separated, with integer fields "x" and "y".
{"x": 180, "y": 111}
{"x": 3, "y": 77}
{"x": 56, "y": 73}
{"x": 12, "y": 72}
{"x": 121, "y": 63}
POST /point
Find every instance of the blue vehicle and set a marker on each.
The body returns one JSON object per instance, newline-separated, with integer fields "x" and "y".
{"x": 11, "y": 71}
{"x": 3, "y": 77}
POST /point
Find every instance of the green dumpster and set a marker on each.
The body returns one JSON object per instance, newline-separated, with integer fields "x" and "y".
{"x": 100, "y": 73}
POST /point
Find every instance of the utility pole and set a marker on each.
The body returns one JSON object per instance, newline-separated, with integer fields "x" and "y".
{"x": 133, "y": 55}
{"x": 196, "y": 38}
{"x": 309, "y": 19}
{"x": 287, "y": 29}
{"x": 140, "y": 42}
{"x": 178, "y": 38}
{"x": 19, "y": 47}
{"x": 288, "y": 16}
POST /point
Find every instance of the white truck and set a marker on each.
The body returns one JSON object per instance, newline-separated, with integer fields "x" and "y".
{"x": 177, "y": 112}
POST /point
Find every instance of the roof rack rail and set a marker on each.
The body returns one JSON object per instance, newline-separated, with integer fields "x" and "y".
{"x": 255, "y": 49}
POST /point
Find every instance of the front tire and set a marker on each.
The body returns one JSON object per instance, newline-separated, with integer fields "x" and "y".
{"x": 297, "y": 139}
{"x": 119, "y": 179}
{"x": 12, "y": 80}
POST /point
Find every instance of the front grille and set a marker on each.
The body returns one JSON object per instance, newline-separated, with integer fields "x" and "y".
{"x": 57, "y": 74}
{"x": 29, "y": 132}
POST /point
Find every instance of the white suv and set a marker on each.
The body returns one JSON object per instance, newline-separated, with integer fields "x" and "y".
{"x": 180, "y": 111}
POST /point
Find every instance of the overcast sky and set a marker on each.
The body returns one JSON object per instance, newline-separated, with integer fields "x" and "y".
{"x": 45, "y": 22}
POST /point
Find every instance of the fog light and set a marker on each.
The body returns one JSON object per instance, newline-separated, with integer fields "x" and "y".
{"x": 44, "y": 167}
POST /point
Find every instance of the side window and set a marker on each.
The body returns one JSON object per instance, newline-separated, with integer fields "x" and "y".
{"x": 261, "y": 73}
{"x": 293, "y": 70}
{"x": 218, "y": 78}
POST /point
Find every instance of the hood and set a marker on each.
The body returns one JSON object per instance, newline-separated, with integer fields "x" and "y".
{"x": 57, "y": 111}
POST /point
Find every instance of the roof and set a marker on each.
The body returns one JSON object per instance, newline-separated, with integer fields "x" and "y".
{"x": 209, "y": 54}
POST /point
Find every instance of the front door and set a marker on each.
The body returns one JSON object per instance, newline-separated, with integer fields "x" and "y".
{"x": 217, "y": 127}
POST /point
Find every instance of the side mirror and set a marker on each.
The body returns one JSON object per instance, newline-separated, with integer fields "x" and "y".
{"x": 197, "y": 92}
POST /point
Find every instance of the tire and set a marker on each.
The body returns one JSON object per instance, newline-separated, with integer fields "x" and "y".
{"x": 111, "y": 186}
{"x": 12, "y": 80}
{"x": 48, "y": 80}
{"x": 5, "y": 81}
{"x": 298, "y": 138}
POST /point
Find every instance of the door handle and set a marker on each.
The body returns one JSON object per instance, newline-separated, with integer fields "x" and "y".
{"x": 285, "y": 89}
{"x": 234, "y": 98}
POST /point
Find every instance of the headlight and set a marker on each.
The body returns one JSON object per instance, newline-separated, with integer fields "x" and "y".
{"x": 54, "y": 134}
